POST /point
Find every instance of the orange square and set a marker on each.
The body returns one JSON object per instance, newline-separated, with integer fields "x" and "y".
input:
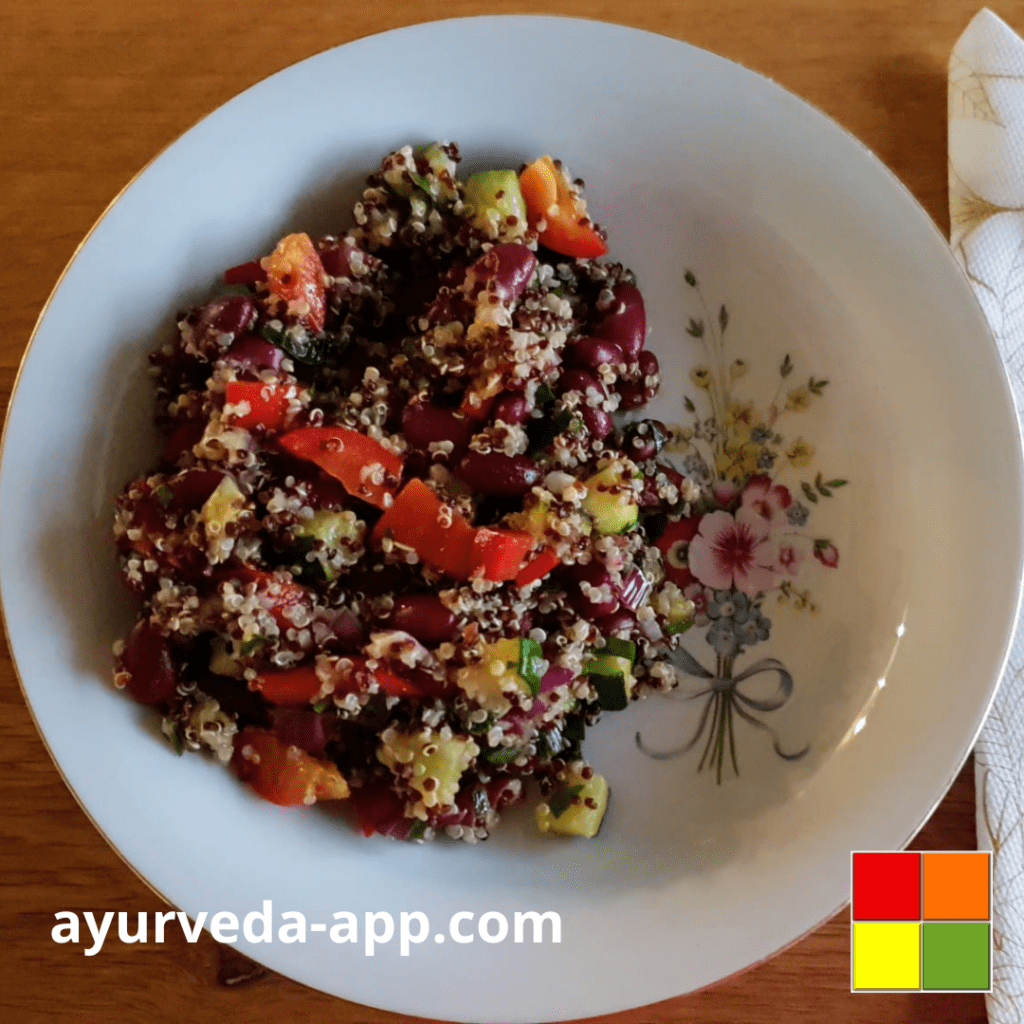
{"x": 956, "y": 886}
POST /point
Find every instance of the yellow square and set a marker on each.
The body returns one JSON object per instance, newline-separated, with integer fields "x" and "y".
{"x": 886, "y": 955}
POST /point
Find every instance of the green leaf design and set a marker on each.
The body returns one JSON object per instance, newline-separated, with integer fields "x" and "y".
{"x": 836, "y": 483}
{"x": 787, "y": 366}
{"x": 562, "y": 800}
{"x": 695, "y": 328}
{"x": 690, "y": 279}
{"x": 816, "y": 386}
{"x": 688, "y": 403}
{"x": 723, "y": 318}
{"x": 809, "y": 492}
{"x": 822, "y": 489}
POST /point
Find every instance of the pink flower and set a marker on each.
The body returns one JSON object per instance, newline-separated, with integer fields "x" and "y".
{"x": 766, "y": 500}
{"x": 827, "y": 553}
{"x": 725, "y": 492}
{"x": 789, "y": 559}
{"x": 733, "y": 551}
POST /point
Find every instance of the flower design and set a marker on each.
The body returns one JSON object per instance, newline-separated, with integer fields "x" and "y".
{"x": 743, "y": 540}
{"x": 734, "y": 551}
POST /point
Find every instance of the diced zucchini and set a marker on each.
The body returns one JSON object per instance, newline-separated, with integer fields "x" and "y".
{"x": 498, "y": 674}
{"x": 609, "y": 498}
{"x": 425, "y": 754}
{"x": 496, "y": 197}
{"x": 612, "y": 677}
{"x": 442, "y": 168}
{"x": 337, "y": 530}
{"x": 224, "y": 506}
{"x": 566, "y": 812}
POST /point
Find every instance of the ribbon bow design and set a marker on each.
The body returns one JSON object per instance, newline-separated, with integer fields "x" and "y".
{"x": 724, "y": 699}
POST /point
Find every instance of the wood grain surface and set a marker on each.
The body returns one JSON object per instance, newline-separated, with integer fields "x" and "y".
{"x": 90, "y": 90}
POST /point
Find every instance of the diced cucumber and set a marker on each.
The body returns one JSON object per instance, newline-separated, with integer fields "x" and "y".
{"x": 609, "y": 499}
{"x": 566, "y": 812}
{"x": 612, "y": 676}
{"x": 496, "y": 197}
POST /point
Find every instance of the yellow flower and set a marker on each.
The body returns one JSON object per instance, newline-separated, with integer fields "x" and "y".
{"x": 678, "y": 438}
{"x": 798, "y": 399}
{"x": 738, "y": 460}
{"x": 738, "y": 369}
{"x": 701, "y": 376}
{"x": 739, "y": 420}
{"x": 800, "y": 452}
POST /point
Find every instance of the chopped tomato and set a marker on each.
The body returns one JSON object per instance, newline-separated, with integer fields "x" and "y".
{"x": 550, "y": 199}
{"x": 245, "y": 273}
{"x": 288, "y": 686}
{"x": 538, "y": 567}
{"x": 501, "y": 552}
{"x": 418, "y": 519}
{"x": 284, "y": 774}
{"x": 364, "y": 467}
{"x": 295, "y": 276}
{"x": 268, "y": 403}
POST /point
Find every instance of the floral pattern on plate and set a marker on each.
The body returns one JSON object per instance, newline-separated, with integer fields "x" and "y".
{"x": 743, "y": 546}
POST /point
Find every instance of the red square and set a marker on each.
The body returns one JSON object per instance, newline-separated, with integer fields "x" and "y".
{"x": 887, "y": 886}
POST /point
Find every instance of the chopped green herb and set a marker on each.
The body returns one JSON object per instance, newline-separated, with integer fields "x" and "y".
{"x": 164, "y": 495}
{"x": 322, "y": 705}
{"x": 620, "y": 648}
{"x": 547, "y": 430}
{"x": 544, "y": 394}
{"x": 417, "y": 829}
{"x": 177, "y": 739}
{"x": 422, "y": 183}
{"x": 611, "y": 691}
{"x": 562, "y": 800}
{"x": 503, "y": 755}
{"x": 312, "y": 349}
{"x": 529, "y": 654}
{"x": 250, "y": 645}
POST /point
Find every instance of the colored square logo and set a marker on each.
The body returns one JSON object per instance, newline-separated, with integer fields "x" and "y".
{"x": 956, "y": 887}
{"x": 921, "y": 922}
{"x": 887, "y": 886}
{"x": 886, "y": 955}
{"x": 956, "y": 956}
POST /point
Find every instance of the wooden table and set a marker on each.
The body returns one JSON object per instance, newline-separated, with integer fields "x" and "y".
{"x": 89, "y": 91}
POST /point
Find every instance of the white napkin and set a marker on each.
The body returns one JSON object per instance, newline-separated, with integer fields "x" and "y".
{"x": 986, "y": 206}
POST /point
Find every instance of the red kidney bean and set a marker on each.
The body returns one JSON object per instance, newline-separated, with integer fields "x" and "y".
{"x": 424, "y": 422}
{"x": 254, "y": 353}
{"x": 593, "y": 352}
{"x": 598, "y": 422}
{"x": 373, "y": 584}
{"x": 632, "y": 395}
{"x": 501, "y": 475}
{"x": 192, "y": 488}
{"x": 615, "y": 623}
{"x": 597, "y": 576}
{"x": 510, "y": 265}
{"x": 511, "y": 408}
{"x": 425, "y": 617}
{"x": 181, "y": 439}
{"x": 304, "y": 728}
{"x": 628, "y": 328}
{"x": 580, "y": 380}
{"x": 643, "y": 440}
{"x": 648, "y": 363}
{"x": 216, "y": 323}
{"x": 147, "y": 656}
{"x": 649, "y": 497}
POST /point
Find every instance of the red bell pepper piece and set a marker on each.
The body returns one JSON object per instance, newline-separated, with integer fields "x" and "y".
{"x": 443, "y": 540}
{"x": 364, "y": 467}
{"x": 549, "y": 198}
{"x": 283, "y": 774}
{"x": 293, "y": 686}
{"x": 395, "y": 686}
{"x": 539, "y": 566}
{"x": 295, "y": 276}
{"x": 501, "y": 552}
{"x": 268, "y": 403}
{"x": 245, "y": 273}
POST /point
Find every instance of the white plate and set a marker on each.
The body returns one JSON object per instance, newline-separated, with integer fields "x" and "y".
{"x": 692, "y": 163}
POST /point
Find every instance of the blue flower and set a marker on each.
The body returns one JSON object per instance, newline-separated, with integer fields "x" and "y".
{"x": 759, "y": 435}
{"x": 767, "y": 459}
{"x": 729, "y": 604}
{"x": 797, "y": 514}
{"x": 755, "y": 629}
{"x": 722, "y": 637}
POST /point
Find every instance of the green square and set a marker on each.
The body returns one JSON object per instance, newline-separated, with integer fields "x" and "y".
{"x": 956, "y": 956}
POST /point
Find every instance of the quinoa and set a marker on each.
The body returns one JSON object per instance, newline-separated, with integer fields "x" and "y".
{"x": 298, "y": 621}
